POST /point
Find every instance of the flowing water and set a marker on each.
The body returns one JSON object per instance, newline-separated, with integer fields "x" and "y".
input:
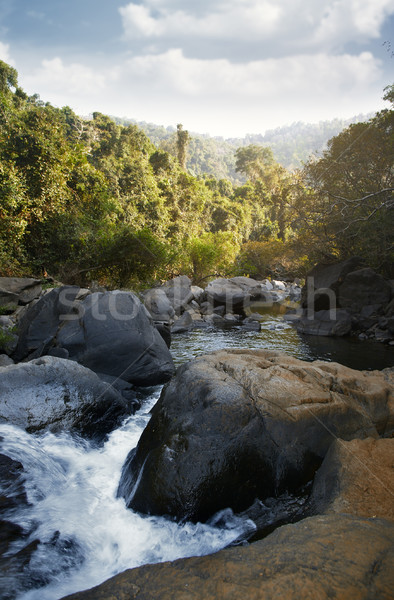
{"x": 85, "y": 534}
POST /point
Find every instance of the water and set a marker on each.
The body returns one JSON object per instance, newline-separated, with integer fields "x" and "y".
{"x": 85, "y": 533}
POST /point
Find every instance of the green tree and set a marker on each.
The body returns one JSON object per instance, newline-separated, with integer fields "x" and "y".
{"x": 182, "y": 139}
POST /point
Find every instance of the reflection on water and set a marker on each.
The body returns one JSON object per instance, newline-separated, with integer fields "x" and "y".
{"x": 278, "y": 335}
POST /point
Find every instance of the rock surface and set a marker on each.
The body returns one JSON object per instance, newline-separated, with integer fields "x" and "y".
{"x": 56, "y": 394}
{"x": 240, "y": 424}
{"x": 356, "y": 477}
{"x": 109, "y": 332}
{"x": 18, "y": 290}
{"x": 320, "y": 558}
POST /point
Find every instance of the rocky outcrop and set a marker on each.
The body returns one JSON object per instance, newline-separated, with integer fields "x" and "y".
{"x": 110, "y": 333}
{"x": 236, "y": 425}
{"x": 346, "y": 297}
{"x": 53, "y": 394}
{"x": 329, "y": 557}
{"x": 356, "y": 477}
{"x": 18, "y": 290}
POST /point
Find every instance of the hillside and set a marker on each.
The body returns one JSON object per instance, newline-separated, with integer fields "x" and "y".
{"x": 292, "y": 145}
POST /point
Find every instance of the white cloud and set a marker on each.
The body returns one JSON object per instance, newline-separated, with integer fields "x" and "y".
{"x": 73, "y": 79}
{"x": 287, "y": 24}
{"x": 5, "y": 54}
{"x": 215, "y": 96}
{"x": 356, "y": 20}
{"x": 235, "y": 18}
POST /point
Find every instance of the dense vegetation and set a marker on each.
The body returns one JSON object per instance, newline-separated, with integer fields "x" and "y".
{"x": 91, "y": 199}
{"x": 292, "y": 145}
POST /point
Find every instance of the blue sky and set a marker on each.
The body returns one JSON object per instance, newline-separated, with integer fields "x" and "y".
{"x": 220, "y": 67}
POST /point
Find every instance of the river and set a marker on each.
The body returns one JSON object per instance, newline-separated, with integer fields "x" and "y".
{"x": 86, "y": 534}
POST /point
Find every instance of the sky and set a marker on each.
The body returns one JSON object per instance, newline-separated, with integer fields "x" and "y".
{"x": 225, "y": 68}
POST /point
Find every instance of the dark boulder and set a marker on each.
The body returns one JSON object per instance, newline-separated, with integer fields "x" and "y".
{"x": 39, "y": 324}
{"x": 109, "y": 332}
{"x": 363, "y": 288}
{"x": 335, "y": 322}
{"x": 240, "y": 424}
{"x": 54, "y": 394}
{"x": 325, "y": 277}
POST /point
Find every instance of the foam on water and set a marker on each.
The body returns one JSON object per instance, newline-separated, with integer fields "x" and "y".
{"x": 87, "y": 534}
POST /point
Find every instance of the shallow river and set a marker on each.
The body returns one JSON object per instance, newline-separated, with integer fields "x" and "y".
{"x": 85, "y": 533}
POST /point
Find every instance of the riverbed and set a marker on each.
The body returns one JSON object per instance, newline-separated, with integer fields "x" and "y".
{"x": 78, "y": 533}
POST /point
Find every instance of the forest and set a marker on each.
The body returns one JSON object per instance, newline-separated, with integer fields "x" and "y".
{"x": 91, "y": 199}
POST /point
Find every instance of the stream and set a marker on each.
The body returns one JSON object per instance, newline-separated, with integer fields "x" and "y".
{"x": 77, "y": 533}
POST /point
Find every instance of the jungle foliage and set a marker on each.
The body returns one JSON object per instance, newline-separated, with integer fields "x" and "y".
{"x": 90, "y": 199}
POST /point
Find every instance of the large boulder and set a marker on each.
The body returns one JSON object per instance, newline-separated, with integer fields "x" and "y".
{"x": 326, "y": 558}
{"x": 158, "y": 305}
{"x": 334, "y": 323}
{"x": 356, "y": 477}
{"x": 239, "y": 424}
{"x": 237, "y": 294}
{"x": 363, "y": 287}
{"x": 110, "y": 333}
{"x": 54, "y": 394}
{"x": 325, "y": 277}
{"x": 18, "y": 290}
{"x": 179, "y": 292}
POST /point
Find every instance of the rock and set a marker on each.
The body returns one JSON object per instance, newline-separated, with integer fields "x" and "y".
{"x": 325, "y": 277}
{"x": 356, "y": 477}
{"x": 235, "y": 294}
{"x": 108, "y": 332}
{"x": 182, "y": 324}
{"x": 331, "y": 557}
{"x": 158, "y": 305}
{"x": 165, "y": 332}
{"x": 363, "y": 287}
{"x": 124, "y": 388}
{"x": 197, "y": 292}
{"x": 179, "y": 293}
{"x": 279, "y": 285}
{"x": 8, "y": 338}
{"x": 325, "y": 322}
{"x": 40, "y": 322}
{"x": 21, "y": 290}
{"x": 5, "y": 360}
{"x": 54, "y": 394}
{"x": 230, "y": 318}
{"x": 236, "y": 425}
{"x": 12, "y": 496}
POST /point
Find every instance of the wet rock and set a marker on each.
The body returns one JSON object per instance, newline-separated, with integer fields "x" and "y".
{"x": 356, "y": 477}
{"x": 330, "y": 558}
{"x": 335, "y": 322}
{"x": 53, "y": 394}
{"x": 237, "y": 425}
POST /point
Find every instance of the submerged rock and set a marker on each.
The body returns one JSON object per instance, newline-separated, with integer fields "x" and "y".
{"x": 239, "y": 424}
{"x": 326, "y": 558}
{"x": 54, "y": 394}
